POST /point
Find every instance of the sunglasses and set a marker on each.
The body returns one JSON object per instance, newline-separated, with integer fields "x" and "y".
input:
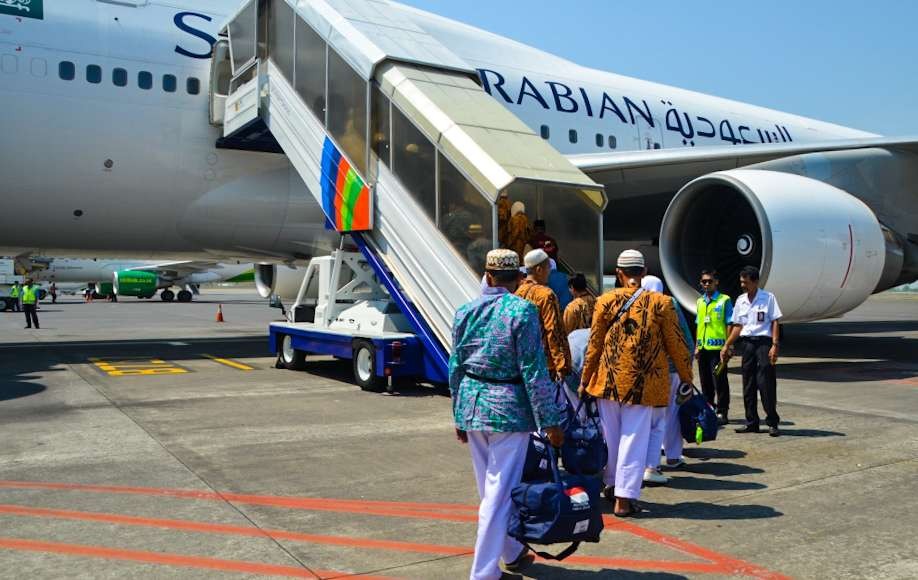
{"x": 707, "y": 282}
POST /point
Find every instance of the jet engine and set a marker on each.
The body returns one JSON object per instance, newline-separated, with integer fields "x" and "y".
{"x": 819, "y": 249}
{"x": 135, "y": 283}
{"x": 279, "y": 279}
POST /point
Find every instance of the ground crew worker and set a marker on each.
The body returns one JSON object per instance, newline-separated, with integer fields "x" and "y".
{"x": 501, "y": 392}
{"x": 579, "y": 313}
{"x": 30, "y": 302}
{"x": 534, "y": 289}
{"x": 503, "y": 218}
{"x": 519, "y": 231}
{"x": 755, "y": 324}
{"x": 714, "y": 316}
{"x": 16, "y": 293}
{"x": 626, "y": 368}
{"x": 53, "y": 292}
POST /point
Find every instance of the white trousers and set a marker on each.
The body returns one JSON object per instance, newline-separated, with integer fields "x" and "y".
{"x": 672, "y": 440}
{"x": 664, "y": 428}
{"x": 498, "y": 460}
{"x": 627, "y": 430}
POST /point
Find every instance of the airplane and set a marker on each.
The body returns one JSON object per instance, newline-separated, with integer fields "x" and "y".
{"x": 107, "y": 144}
{"x": 138, "y": 278}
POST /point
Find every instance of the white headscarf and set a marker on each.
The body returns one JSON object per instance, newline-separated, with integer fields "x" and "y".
{"x": 517, "y": 207}
{"x": 652, "y": 284}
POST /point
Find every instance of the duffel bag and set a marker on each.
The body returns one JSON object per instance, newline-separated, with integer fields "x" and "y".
{"x": 584, "y": 451}
{"x": 697, "y": 419}
{"x": 558, "y": 511}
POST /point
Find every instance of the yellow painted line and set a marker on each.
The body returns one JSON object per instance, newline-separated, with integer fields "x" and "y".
{"x": 230, "y": 363}
{"x": 135, "y": 367}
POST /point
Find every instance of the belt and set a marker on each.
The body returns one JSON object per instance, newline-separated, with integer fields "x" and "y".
{"x": 511, "y": 381}
{"x": 757, "y": 338}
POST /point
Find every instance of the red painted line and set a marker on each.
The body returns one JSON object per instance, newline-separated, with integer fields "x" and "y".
{"x": 400, "y": 510}
{"x": 364, "y": 543}
{"x": 167, "y": 559}
{"x": 850, "y": 254}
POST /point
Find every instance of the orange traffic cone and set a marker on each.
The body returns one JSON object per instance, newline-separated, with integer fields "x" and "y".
{"x": 219, "y": 313}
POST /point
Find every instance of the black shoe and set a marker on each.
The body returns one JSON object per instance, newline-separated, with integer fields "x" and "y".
{"x": 608, "y": 492}
{"x": 722, "y": 419}
{"x": 773, "y": 432}
{"x": 748, "y": 429}
{"x": 27, "y": 327}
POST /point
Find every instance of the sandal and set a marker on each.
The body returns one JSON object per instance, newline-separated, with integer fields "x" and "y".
{"x": 633, "y": 510}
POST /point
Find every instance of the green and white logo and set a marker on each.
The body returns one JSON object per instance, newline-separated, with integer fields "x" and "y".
{"x": 24, "y": 8}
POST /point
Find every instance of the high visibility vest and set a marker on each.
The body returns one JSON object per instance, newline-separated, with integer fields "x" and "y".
{"x": 712, "y": 323}
{"x": 29, "y": 294}
{"x": 14, "y": 292}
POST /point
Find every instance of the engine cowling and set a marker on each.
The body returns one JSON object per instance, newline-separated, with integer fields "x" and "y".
{"x": 279, "y": 279}
{"x": 819, "y": 249}
{"x": 134, "y": 283}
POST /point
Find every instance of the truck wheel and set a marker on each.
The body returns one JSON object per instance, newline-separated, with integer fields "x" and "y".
{"x": 291, "y": 358}
{"x": 365, "y": 367}
{"x": 167, "y": 295}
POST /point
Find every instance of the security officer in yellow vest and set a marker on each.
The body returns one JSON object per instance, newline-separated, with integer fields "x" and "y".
{"x": 715, "y": 314}
{"x": 29, "y": 302}
{"x": 16, "y": 292}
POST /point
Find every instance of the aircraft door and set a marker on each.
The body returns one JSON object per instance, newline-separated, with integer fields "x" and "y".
{"x": 220, "y": 75}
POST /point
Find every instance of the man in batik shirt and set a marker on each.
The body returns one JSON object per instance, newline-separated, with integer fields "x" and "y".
{"x": 535, "y": 289}
{"x": 501, "y": 392}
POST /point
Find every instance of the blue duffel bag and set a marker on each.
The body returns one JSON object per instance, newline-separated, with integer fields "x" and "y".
{"x": 558, "y": 511}
{"x": 697, "y": 419}
{"x": 584, "y": 451}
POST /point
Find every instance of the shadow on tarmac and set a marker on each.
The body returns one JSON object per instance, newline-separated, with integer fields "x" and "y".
{"x": 543, "y": 572}
{"x": 721, "y": 469}
{"x": 17, "y": 389}
{"x": 702, "y": 484}
{"x": 707, "y": 453}
{"x": 697, "y": 510}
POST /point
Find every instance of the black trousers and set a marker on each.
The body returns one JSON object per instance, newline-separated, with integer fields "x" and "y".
{"x": 711, "y": 384}
{"x": 759, "y": 376}
{"x": 30, "y": 315}
{"x": 16, "y": 305}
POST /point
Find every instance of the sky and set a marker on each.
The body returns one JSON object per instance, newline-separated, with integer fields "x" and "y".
{"x": 849, "y": 62}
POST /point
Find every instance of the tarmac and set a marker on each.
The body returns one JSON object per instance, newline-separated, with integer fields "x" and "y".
{"x": 145, "y": 439}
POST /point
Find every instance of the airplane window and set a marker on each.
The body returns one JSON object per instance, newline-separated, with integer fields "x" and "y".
{"x": 66, "y": 70}
{"x": 145, "y": 80}
{"x": 94, "y": 74}
{"x": 600, "y": 141}
{"x": 169, "y": 83}
{"x": 572, "y": 135}
{"x": 193, "y": 86}
{"x": 543, "y": 130}
{"x": 613, "y": 142}
{"x": 119, "y": 77}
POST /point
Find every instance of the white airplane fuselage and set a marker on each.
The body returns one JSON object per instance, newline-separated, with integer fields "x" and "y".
{"x": 96, "y": 168}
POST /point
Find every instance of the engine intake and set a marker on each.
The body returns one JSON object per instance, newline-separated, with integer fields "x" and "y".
{"x": 819, "y": 249}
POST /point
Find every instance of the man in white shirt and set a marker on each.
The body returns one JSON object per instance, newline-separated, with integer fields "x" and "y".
{"x": 755, "y": 324}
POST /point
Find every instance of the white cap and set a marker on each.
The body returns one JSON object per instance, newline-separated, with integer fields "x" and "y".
{"x": 652, "y": 284}
{"x": 534, "y": 258}
{"x": 630, "y": 259}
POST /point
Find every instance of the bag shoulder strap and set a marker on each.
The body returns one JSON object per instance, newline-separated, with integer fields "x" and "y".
{"x": 627, "y": 305}
{"x": 557, "y": 557}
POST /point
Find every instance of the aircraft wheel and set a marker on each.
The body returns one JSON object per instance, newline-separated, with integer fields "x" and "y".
{"x": 184, "y": 296}
{"x": 167, "y": 295}
{"x": 289, "y": 357}
{"x": 365, "y": 367}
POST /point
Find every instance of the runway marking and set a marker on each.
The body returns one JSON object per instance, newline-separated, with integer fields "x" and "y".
{"x": 230, "y": 363}
{"x": 716, "y": 563}
{"x": 168, "y": 559}
{"x": 137, "y": 367}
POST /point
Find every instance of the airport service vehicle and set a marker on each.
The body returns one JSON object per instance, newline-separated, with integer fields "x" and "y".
{"x": 146, "y": 128}
{"x": 7, "y": 277}
{"x": 141, "y": 279}
{"x": 344, "y": 309}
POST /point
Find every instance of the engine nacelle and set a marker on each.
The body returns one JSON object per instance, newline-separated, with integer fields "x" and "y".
{"x": 134, "y": 283}
{"x": 279, "y": 279}
{"x": 820, "y": 250}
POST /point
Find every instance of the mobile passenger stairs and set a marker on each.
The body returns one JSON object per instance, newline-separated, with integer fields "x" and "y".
{"x": 407, "y": 155}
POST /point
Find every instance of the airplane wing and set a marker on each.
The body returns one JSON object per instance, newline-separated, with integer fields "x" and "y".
{"x": 177, "y": 270}
{"x": 651, "y": 178}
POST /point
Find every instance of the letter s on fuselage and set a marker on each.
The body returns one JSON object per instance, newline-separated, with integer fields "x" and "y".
{"x": 185, "y": 27}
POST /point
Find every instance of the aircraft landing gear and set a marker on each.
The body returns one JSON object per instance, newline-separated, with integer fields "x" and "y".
{"x": 184, "y": 296}
{"x": 167, "y": 295}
